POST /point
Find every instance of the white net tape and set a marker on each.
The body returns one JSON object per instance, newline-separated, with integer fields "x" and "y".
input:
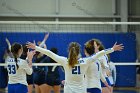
{"x": 54, "y": 64}
{"x": 67, "y": 26}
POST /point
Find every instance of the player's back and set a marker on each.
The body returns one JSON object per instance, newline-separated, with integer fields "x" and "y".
{"x": 17, "y": 75}
{"x": 75, "y": 77}
{"x": 93, "y": 75}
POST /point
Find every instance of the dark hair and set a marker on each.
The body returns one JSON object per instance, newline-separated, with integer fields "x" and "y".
{"x": 14, "y": 49}
{"x": 25, "y": 49}
{"x": 54, "y": 50}
{"x": 89, "y": 46}
{"x": 74, "y": 50}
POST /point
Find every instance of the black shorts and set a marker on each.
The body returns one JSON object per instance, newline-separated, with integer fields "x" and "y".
{"x": 53, "y": 79}
{"x": 30, "y": 79}
{"x": 39, "y": 78}
{"x": 94, "y": 90}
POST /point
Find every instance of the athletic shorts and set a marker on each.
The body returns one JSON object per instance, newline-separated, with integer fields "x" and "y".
{"x": 112, "y": 85}
{"x": 52, "y": 80}
{"x": 94, "y": 90}
{"x": 17, "y": 88}
{"x": 39, "y": 78}
{"x": 103, "y": 85}
{"x": 30, "y": 79}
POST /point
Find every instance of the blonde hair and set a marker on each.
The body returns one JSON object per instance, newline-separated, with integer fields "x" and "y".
{"x": 74, "y": 50}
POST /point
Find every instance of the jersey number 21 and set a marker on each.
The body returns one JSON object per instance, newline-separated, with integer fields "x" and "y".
{"x": 76, "y": 70}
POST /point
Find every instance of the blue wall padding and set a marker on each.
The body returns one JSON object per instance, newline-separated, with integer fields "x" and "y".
{"x": 126, "y": 75}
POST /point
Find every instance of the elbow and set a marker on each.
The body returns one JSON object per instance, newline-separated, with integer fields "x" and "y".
{"x": 30, "y": 71}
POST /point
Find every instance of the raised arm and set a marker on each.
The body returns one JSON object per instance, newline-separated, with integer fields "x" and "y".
{"x": 115, "y": 47}
{"x": 8, "y": 43}
{"x": 52, "y": 55}
{"x": 27, "y": 67}
{"x": 42, "y": 44}
{"x": 28, "y": 64}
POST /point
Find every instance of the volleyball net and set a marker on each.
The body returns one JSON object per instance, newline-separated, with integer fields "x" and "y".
{"x": 56, "y": 64}
{"x": 63, "y": 26}
{"x": 30, "y": 27}
{"x": 62, "y": 33}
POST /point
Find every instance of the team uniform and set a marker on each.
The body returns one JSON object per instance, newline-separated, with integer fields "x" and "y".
{"x": 112, "y": 77}
{"x": 93, "y": 76}
{"x": 39, "y": 71}
{"x": 53, "y": 77}
{"x": 17, "y": 77}
{"x": 74, "y": 77}
{"x": 105, "y": 66}
{"x": 29, "y": 77}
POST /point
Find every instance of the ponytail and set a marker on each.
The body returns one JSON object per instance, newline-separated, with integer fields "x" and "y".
{"x": 74, "y": 50}
{"x": 15, "y": 57}
{"x": 14, "y": 49}
{"x": 73, "y": 57}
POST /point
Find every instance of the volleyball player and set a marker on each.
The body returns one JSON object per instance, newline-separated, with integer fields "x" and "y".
{"x": 105, "y": 66}
{"x": 94, "y": 72}
{"x": 75, "y": 68}
{"x": 29, "y": 77}
{"x": 40, "y": 72}
{"x": 17, "y": 70}
{"x": 53, "y": 77}
{"x": 7, "y": 54}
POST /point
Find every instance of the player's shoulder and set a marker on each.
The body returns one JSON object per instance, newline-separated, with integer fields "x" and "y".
{"x": 102, "y": 57}
{"x": 9, "y": 60}
{"x": 97, "y": 61}
{"x": 65, "y": 58}
{"x": 81, "y": 59}
{"x": 21, "y": 61}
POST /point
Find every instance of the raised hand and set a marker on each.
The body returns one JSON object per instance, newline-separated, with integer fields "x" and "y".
{"x": 30, "y": 55}
{"x": 30, "y": 45}
{"x": 118, "y": 47}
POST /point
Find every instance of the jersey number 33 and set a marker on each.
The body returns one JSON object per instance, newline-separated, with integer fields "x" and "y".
{"x": 12, "y": 69}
